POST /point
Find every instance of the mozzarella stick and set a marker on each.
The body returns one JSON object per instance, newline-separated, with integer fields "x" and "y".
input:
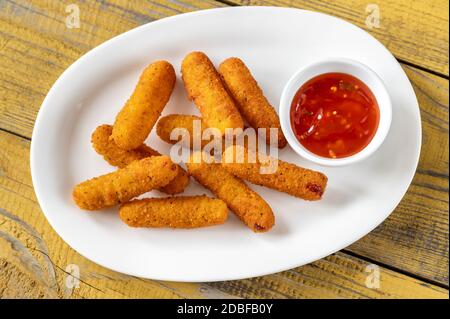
{"x": 114, "y": 155}
{"x": 250, "y": 99}
{"x": 205, "y": 88}
{"x": 174, "y": 212}
{"x": 288, "y": 178}
{"x": 126, "y": 183}
{"x": 167, "y": 124}
{"x": 120, "y": 158}
{"x": 243, "y": 201}
{"x": 140, "y": 113}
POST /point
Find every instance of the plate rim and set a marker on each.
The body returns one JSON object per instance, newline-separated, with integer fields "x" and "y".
{"x": 217, "y": 276}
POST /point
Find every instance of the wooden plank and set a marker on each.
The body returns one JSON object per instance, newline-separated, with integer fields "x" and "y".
{"x": 36, "y": 46}
{"x": 34, "y": 260}
{"x": 415, "y": 237}
{"x": 414, "y": 31}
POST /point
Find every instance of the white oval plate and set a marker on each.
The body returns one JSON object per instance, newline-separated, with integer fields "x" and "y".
{"x": 274, "y": 42}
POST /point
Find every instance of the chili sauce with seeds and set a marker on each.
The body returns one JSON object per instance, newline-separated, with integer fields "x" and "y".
{"x": 334, "y": 115}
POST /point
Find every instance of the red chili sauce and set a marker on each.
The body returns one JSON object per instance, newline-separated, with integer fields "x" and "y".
{"x": 334, "y": 115}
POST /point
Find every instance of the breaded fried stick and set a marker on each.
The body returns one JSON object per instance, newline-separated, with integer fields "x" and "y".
{"x": 288, "y": 178}
{"x": 126, "y": 183}
{"x": 140, "y": 113}
{"x": 205, "y": 88}
{"x": 168, "y": 123}
{"x": 243, "y": 201}
{"x": 250, "y": 99}
{"x": 116, "y": 156}
{"x": 174, "y": 212}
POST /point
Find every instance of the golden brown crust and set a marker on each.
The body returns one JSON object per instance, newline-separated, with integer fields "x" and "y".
{"x": 249, "y": 98}
{"x": 126, "y": 183}
{"x": 174, "y": 212}
{"x": 243, "y": 201}
{"x": 140, "y": 113}
{"x": 204, "y": 86}
{"x": 114, "y": 155}
{"x": 119, "y": 157}
{"x": 288, "y": 178}
{"x": 178, "y": 184}
{"x": 168, "y": 123}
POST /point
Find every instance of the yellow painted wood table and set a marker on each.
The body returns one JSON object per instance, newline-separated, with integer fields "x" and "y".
{"x": 410, "y": 247}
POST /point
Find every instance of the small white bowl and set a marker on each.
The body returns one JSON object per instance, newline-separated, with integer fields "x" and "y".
{"x": 340, "y": 65}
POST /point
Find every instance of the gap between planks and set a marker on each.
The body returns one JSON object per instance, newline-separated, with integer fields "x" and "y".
{"x": 402, "y": 61}
{"x": 394, "y": 269}
{"x": 415, "y": 66}
{"x": 348, "y": 252}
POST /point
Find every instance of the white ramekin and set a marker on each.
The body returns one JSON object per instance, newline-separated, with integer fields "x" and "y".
{"x": 340, "y": 65}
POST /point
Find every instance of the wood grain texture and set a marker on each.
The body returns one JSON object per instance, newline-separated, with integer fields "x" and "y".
{"x": 34, "y": 259}
{"x": 414, "y": 31}
{"x": 415, "y": 237}
{"x": 36, "y": 47}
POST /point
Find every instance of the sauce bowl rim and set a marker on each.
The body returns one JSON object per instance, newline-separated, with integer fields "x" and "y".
{"x": 337, "y": 65}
